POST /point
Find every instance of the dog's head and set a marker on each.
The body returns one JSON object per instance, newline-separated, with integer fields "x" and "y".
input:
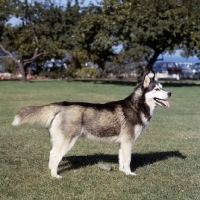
{"x": 154, "y": 92}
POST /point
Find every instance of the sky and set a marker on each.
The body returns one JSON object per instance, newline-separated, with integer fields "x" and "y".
{"x": 178, "y": 58}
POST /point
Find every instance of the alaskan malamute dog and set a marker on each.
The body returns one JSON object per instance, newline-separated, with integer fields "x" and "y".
{"x": 118, "y": 121}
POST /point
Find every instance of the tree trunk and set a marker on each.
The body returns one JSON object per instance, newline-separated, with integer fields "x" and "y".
{"x": 153, "y": 60}
{"x": 23, "y": 72}
{"x": 149, "y": 66}
{"x": 19, "y": 64}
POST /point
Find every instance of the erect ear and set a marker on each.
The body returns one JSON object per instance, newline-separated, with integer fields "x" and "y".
{"x": 152, "y": 75}
{"x": 146, "y": 81}
{"x": 155, "y": 77}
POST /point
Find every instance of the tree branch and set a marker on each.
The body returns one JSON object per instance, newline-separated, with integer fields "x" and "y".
{"x": 35, "y": 55}
{"x": 8, "y": 52}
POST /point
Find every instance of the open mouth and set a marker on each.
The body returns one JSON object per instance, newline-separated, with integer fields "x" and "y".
{"x": 162, "y": 102}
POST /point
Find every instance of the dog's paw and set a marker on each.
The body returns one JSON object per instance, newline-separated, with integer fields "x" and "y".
{"x": 121, "y": 169}
{"x": 127, "y": 172}
{"x": 130, "y": 173}
{"x": 57, "y": 176}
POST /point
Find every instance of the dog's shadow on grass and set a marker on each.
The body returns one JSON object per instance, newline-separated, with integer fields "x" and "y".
{"x": 138, "y": 160}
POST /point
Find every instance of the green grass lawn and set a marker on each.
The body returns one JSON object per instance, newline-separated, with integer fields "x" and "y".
{"x": 166, "y": 156}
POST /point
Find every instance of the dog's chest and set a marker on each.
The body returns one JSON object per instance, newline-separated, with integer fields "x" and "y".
{"x": 147, "y": 114}
{"x": 145, "y": 120}
{"x": 140, "y": 128}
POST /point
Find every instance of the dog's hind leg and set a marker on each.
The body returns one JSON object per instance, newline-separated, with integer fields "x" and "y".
{"x": 61, "y": 145}
{"x": 63, "y": 139}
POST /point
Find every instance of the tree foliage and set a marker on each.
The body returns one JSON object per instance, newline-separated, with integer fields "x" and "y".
{"x": 144, "y": 29}
{"x": 8, "y": 63}
{"x": 93, "y": 37}
{"x": 44, "y": 32}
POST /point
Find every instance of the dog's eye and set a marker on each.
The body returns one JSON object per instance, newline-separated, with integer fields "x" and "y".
{"x": 157, "y": 89}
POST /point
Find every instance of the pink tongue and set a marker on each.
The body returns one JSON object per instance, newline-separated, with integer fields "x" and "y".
{"x": 166, "y": 103}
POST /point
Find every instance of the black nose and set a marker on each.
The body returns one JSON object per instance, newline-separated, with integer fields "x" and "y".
{"x": 169, "y": 94}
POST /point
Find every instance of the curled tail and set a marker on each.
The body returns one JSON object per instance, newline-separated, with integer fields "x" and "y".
{"x": 43, "y": 115}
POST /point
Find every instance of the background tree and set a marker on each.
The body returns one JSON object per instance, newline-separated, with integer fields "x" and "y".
{"x": 20, "y": 39}
{"x": 147, "y": 28}
{"x": 8, "y": 64}
{"x": 187, "y": 52}
{"x": 43, "y": 32}
{"x": 92, "y": 36}
{"x": 144, "y": 29}
{"x": 5, "y": 14}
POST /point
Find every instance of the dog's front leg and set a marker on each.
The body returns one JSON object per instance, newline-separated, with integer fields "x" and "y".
{"x": 121, "y": 160}
{"x": 125, "y": 157}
